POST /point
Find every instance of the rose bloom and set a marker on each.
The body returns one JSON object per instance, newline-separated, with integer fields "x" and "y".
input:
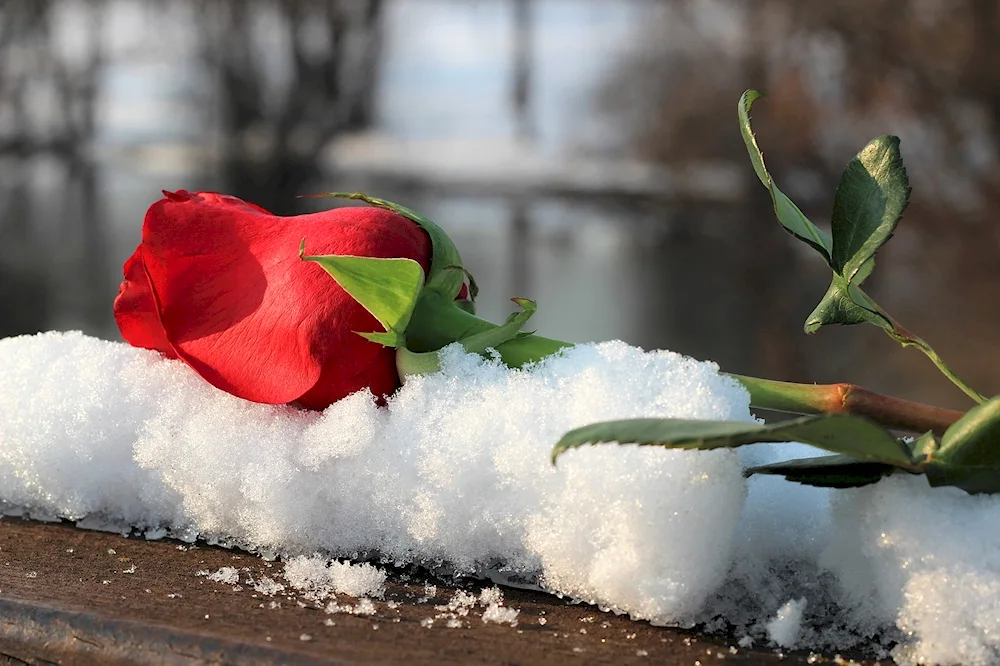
{"x": 218, "y": 283}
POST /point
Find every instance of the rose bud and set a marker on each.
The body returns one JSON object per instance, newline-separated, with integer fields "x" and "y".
{"x": 218, "y": 283}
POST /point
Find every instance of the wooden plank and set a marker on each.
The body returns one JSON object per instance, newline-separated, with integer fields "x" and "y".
{"x": 74, "y": 596}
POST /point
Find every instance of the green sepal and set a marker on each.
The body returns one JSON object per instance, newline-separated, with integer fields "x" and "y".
{"x": 791, "y": 218}
{"x": 509, "y": 330}
{"x": 473, "y": 287}
{"x": 387, "y": 288}
{"x": 412, "y": 363}
{"x": 836, "y": 471}
{"x": 838, "y": 433}
{"x": 388, "y": 339}
{"x": 441, "y": 277}
{"x": 466, "y": 306}
{"x": 409, "y": 363}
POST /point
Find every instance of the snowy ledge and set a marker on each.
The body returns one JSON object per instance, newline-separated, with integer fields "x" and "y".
{"x": 455, "y": 471}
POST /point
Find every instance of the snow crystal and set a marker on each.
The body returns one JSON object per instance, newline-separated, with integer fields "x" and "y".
{"x": 462, "y": 602}
{"x": 365, "y": 606}
{"x": 227, "y": 575}
{"x": 267, "y": 586}
{"x": 321, "y": 579}
{"x": 500, "y": 615}
{"x": 459, "y": 604}
{"x": 490, "y": 596}
{"x": 784, "y": 629}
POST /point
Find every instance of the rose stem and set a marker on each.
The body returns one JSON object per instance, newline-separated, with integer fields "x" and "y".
{"x": 847, "y": 399}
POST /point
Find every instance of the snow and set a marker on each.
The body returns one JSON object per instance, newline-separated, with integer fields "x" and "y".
{"x": 365, "y": 606}
{"x": 500, "y": 615}
{"x": 927, "y": 561}
{"x": 784, "y": 629}
{"x": 460, "y": 603}
{"x": 454, "y": 472}
{"x": 227, "y": 575}
{"x": 266, "y": 586}
{"x": 321, "y": 579}
{"x": 463, "y": 602}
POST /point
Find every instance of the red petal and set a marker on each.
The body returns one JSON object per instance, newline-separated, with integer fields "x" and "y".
{"x": 379, "y": 375}
{"x": 249, "y": 316}
{"x": 135, "y": 310}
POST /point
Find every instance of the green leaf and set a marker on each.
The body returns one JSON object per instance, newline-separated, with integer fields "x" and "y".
{"x": 863, "y": 272}
{"x": 924, "y": 446}
{"x": 871, "y": 197}
{"x": 969, "y": 454}
{"x": 972, "y": 479}
{"x": 839, "y": 433}
{"x": 788, "y": 214}
{"x": 844, "y": 303}
{"x": 835, "y": 471}
{"x": 974, "y": 439}
{"x": 387, "y": 288}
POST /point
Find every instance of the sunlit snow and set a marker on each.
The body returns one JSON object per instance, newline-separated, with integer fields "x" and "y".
{"x": 320, "y": 579}
{"x": 784, "y": 629}
{"x": 455, "y": 472}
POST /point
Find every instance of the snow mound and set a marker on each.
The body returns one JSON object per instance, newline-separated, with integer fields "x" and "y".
{"x": 926, "y": 561}
{"x": 454, "y": 470}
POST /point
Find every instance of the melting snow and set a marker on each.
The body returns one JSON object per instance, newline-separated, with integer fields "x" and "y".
{"x": 455, "y": 470}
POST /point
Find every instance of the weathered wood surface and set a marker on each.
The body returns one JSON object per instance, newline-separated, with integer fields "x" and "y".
{"x": 66, "y": 596}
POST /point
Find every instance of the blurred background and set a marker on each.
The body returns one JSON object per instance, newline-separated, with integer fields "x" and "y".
{"x": 583, "y": 153}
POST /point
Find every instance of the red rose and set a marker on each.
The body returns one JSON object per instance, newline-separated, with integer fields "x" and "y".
{"x": 218, "y": 283}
